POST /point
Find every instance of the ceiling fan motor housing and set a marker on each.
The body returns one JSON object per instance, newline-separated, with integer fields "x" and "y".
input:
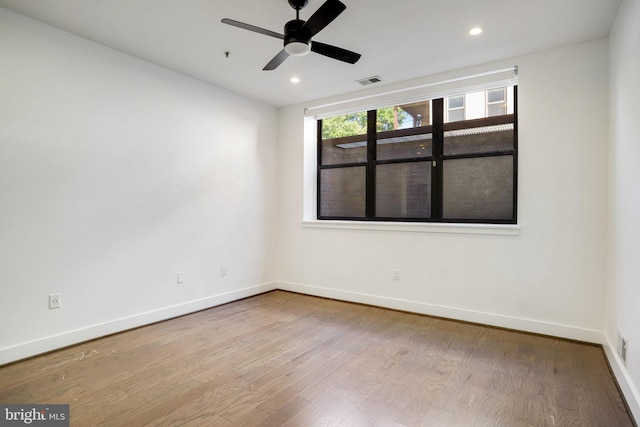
{"x": 298, "y": 4}
{"x": 297, "y": 40}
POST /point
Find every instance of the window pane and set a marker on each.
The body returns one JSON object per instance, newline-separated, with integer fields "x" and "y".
{"x": 478, "y": 188}
{"x": 403, "y": 190}
{"x": 404, "y": 147}
{"x": 404, "y": 116}
{"x": 343, "y": 192}
{"x": 345, "y": 125}
{"x": 498, "y": 109}
{"x": 344, "y": 139}
{"x": 495, "y": 95}
{"x": 455, "y": 101}
{"x": 344, "y": 150}
{"x": 479, "y": 140}
{"x": 497, "y": 102}
{"x": 456, "y": 115}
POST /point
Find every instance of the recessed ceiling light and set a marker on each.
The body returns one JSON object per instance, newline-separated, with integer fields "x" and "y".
{"x": 475, "y": 31}
{"x": 295, "y": 80}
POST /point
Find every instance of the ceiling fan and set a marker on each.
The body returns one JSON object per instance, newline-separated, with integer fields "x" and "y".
{"x": 298, "y": 33}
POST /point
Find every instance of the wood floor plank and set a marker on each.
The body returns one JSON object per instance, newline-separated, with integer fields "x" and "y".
{"x": 284, "y": 359}
{"x": 286, "y": 411}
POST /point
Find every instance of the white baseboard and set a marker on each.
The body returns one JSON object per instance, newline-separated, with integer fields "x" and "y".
{"x": 625, "y": 382}
{"x": 509, "y": 322}
{"x": 43, "y": 345}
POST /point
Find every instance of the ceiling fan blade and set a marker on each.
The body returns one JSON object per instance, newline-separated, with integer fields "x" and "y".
{"x": 252, "y": 28}
{"x": 324, "y": 16}
{"x": 335, "y": 52}
{"x": 276, "y": 61}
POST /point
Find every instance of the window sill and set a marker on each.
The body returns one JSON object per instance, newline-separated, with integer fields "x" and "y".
{"x": 422, "y": 227}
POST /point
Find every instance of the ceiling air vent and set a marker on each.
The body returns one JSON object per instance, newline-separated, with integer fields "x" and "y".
{"x": 369, "y": 80}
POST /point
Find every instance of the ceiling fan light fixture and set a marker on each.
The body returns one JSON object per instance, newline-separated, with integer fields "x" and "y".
{"x": 297, "y": 48}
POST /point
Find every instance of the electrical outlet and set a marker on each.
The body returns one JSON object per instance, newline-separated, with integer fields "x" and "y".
{"x": 55, "y": 301}
{"x": 396, "y": 275}
{"x": 223, "y": 270}
{"x": 180, "y": 278}
{"x": 623, "y": 346}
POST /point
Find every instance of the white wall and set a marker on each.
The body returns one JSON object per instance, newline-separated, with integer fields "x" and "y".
{"x": 116, "y": 174}
{"x": 624, "y": 194}
{"x": 548, "y": 278}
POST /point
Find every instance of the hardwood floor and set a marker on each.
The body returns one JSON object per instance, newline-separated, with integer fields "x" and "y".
{"x": 283, "y": 359}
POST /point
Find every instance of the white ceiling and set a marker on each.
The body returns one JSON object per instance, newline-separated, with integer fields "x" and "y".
{"x": 398, "y": 40}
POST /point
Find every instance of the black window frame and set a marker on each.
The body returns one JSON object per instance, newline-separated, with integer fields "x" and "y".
{"x": 436, "y": 161}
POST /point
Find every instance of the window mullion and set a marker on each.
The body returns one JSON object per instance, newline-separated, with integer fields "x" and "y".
{"x": 318, "y": 173}
{"x": 515, "y": 152}
{"x": 436, "y": 164}
{"x": 371, "y": 163}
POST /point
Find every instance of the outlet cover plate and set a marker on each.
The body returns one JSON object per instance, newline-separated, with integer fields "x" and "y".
{"x": 623, "y": 347}
{"x": 55, "y": 301}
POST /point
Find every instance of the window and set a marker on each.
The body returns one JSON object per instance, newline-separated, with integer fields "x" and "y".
{"x": 496, "y": 102}
{"x": 455, "y": 108}
{"x": 412, "y": 162}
